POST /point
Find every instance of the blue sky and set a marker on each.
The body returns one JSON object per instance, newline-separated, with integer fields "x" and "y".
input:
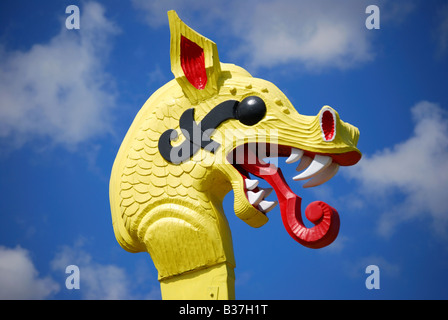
{"x": 67, "y": 98}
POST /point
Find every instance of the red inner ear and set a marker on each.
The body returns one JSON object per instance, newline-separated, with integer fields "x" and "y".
{"x": 328, "y": 125}
{"x": 193, "y": 63}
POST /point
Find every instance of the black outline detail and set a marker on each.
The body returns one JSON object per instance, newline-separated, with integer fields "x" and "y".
{"x": 226, "y": 110}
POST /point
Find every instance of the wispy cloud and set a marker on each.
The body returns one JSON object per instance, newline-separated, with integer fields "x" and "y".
{"x": 441, "y": 32}
{"x": 410, "y": 178}
{"x": 102, "y": 281}
{"x": 19, "y": 278}
{"x": 314, "y": 34}
{"x": 59, "y": 91}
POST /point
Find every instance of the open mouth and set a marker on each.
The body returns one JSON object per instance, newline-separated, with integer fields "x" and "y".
{"x": 314, "y": 167}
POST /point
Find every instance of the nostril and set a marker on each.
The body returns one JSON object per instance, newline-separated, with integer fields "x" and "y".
{"x": 328, "y": 125}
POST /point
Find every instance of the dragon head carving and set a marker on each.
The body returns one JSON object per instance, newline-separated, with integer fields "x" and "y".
{"x": 203, "y": 134}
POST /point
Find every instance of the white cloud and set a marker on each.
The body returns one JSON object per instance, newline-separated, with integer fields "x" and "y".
{"x": 19, "y": 278}
{"x": 59, "y": 90}
{"x": 316, "y": 34}
{"x": 411, "y": 178}
{"x": 102, "y": 281}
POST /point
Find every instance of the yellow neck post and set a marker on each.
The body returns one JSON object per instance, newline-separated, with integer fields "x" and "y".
{"x": 213, "y": 283}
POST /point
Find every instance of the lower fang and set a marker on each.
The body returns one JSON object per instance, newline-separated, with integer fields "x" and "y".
{"x": 267, "y": 191}
{"x": 267, "y": 206}
{"x": 251, "y": 184}
{"x": 255, "y": 198}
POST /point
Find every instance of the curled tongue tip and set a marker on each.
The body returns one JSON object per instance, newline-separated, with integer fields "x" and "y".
{"x": 324, "y": 217}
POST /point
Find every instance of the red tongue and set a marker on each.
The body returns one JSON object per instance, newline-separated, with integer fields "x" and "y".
{"x": 324, "y": 217}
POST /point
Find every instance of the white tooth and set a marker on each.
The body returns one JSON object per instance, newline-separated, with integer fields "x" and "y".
{"x": 296, "y": 154}
{"x": 319, "y": 163}
{"x": 267, "y": 191}
{"x": 304, "y": 163}
{"x": 251, "y": 184}
{"x": 323, "y": 177}
{"x": 255, "y": 198}
{"x": 267, "y": 206}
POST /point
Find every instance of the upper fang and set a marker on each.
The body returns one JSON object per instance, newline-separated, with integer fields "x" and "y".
{"x": 319, "y": 163}
{"x": 304, "y": 163}
{"x": 296, "y": 154}
{"x": 323, "y": 176}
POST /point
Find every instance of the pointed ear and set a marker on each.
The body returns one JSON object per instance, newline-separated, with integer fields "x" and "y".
{"x": 194, "y": 60}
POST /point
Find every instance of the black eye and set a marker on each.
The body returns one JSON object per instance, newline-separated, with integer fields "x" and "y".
{"x": 251, "y": 110}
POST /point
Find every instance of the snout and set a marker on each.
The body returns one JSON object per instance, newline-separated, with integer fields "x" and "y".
{"x": 324, "y": 134}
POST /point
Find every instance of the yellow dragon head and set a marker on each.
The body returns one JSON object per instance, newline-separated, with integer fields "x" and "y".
{"x": 203, "y": 134}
